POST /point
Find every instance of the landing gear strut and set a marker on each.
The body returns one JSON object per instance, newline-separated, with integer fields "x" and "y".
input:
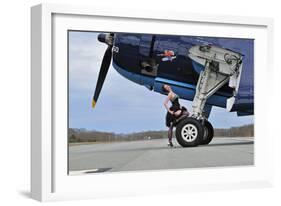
{"x": 221, "y": 66}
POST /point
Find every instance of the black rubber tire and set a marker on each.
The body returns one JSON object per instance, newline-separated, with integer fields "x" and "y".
{"x": 200, "y": 132}
{"x": 208, "y": 133}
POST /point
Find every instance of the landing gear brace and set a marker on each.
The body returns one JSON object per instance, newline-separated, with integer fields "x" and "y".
{"x": 221, "y": 66}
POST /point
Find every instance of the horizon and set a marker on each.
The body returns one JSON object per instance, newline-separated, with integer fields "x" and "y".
{"x": 93, "y": 130}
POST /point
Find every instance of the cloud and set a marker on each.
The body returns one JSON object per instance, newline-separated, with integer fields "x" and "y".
{"x": 121, "y": 102}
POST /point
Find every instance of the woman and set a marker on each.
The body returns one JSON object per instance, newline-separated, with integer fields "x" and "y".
{"x": 174, "y": 112}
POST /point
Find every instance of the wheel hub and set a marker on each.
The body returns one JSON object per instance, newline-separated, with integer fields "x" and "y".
{"x": 189, "y": 132}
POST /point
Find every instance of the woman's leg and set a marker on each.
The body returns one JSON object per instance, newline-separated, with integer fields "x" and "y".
{"x": 170, "y": 135}
{"x": 169, "y": 124}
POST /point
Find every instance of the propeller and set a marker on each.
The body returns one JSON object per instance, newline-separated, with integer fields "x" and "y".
{"x": 108, "y": 39}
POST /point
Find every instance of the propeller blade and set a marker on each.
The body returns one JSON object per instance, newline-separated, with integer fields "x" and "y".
{"x": 103, "y": 71}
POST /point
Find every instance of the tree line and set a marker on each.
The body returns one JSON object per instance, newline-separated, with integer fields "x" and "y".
{"x": 242, "y": 131}
{"x": 82, "y": 135}
{"x": 98, "y": 136}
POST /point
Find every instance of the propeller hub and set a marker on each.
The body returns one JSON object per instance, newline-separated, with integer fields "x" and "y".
{"x": 101, "y": 38}
{"x": 106, "y": 38}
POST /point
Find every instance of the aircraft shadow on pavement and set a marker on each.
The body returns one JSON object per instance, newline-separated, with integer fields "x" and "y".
{"x": 228, "y": 144}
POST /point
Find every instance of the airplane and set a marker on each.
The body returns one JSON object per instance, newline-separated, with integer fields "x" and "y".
{"x": 209, "y": 71}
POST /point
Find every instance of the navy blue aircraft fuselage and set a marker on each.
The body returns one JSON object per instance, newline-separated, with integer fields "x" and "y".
{"x": 154, "y": 60}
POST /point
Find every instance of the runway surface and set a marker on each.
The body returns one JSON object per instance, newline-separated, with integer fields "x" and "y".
{"x": 155, "y": 155}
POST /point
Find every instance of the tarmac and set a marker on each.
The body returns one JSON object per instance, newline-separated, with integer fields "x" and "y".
{"x": 156, "y": 155}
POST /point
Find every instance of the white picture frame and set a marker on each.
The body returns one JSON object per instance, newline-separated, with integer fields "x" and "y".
{"x": 49, "y": 179}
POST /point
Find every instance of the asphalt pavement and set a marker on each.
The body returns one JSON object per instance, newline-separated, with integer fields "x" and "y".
{"x": 156, "y": 155}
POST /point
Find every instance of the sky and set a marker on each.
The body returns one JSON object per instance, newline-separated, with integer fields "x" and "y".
{"x": 123, "y": 106}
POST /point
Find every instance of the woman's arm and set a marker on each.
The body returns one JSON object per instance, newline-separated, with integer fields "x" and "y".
{"x": 166, "y": 103}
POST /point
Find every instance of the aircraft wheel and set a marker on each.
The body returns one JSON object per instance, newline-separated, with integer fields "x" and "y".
{"x": 208, "y": 133}
{"x": 189, "y": 132}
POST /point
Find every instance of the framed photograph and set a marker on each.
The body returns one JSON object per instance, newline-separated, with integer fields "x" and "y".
{"x": 138, "y": 102}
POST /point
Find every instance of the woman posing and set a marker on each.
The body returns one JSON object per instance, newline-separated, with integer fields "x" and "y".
{"x": 173, "y": 112}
